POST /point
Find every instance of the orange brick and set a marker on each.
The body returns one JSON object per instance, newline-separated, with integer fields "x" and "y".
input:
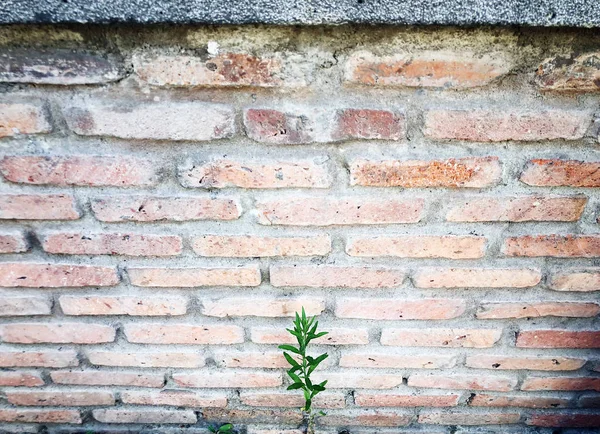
{"x": 250, "y": 246}
{"x": 194, "y": 277}
{"x": 457, "y": 418}
{"x": 323, "y": 400}
{"x": 561, "y": 383}
{"x": 14, "y": 242}
{"x": 457, "y": 381}
{"x": 228, "y": 379}
{"x": 107, "y": 378}
{"x": 262, "y": 306}
{"x": 358, "y": 380}
{"x": 569, "y": 74}
{"x": 558, "y": 339}
{"x": 57, "y": 333}
{"x": 332, "y": 276}
{"x": 55, "y": 275}
{"x": 280, "y": 127}
{"x": 535, "y": 310}
{"x": 16, "y": 119}
{"x": 586, "y": 280}
{"x": 134, "y": 306}
{"x": 484, "y": 361}
{"x": 336, "y": 336}
{"x": 394, "y": 309}
{"x": 176, "y": 398}
{"x": 365, "y": 399}
{"x": 476, "y": 277}
{"x": 352, "y": 123}
{"x": 556, "y": 173}
{"x": 67, "y": 398}
{"x": 16, "y": 379}
{"x": 367, "y": 418}
{"x": 123, "y": 415}
{"x": 146, "y": 359}
{"x": 440, "y": 337}
{"x": 372, "y": 359}
{"x": 560, "y": 246}
{"x": 191, "y": 334}
{"x": 39, "y": 416}
{"x": 41, "y": 359}
{"x": 38, "y": 207}
{"x": 24, "y": 306}
{"x": 569, "y": 420}
{"x": 526, "y": 401}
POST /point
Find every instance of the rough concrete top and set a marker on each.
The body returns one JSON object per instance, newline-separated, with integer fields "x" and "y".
{"x": 578, "y": 13}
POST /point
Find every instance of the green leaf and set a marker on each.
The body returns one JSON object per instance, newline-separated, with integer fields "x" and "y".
{"x": 303, "y": 316}
{"x": 318, "y": 387}
{"x": 295, "y": 386}
{"x": 291, "y": 360}
{"x": 294, "y": 377}
{"x": 295, "y": 333}
{"x": 289, "y": 348}
{"x": 226, "y": 427}
{"x": 318, "y": 335}
{"x": 307, "y": 405}
{"x": 316, "y": 362}
{"x": 308, "y": 383}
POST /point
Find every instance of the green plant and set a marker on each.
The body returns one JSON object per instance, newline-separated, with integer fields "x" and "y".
{"x": 223, "y": 429}
{"x": 305, "y": 330}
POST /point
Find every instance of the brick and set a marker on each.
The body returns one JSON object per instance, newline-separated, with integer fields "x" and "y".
{"x": 107, "y": 378}
{"x": 16, "y": 119}
{"x": 194, "y": 277}
{"x": 228, "y": 379}
{"x": 536, "y": 310}
{"x": 13, "y": 243}
{"x": 255, "y": 174}
{"x": 16, "y": 379}
{"x": 262, "y": 306}
{"x": 24, "y": 306}
{"x": 57, "y": 333}
{"x": 458, "y": 381}
{"x": 469, "y": 172}
{"x": 394, "y": 309}
{"x": 146, "y": 359}
{"x": 358, "y": 380}
{"x": 323, "y": 400}
{"x": 251, "y": 246}
{"x": 66, "y": 398}
{"x": 39, "y": 416}
{"x": 168, "y": 120}
{"x": 441, "y": 337}
{"x": 484, "y": 361}
{"x": 152, "y": 333}
{"x": 363, "y": 124}
{"x": 38, "y": 207}
{"x": 372, "y": 359}
{"x": 437, "y": 69}
{"x": 476, "y": 277}
{"x": 568, "y": 420}
{"x": 122, "y": 415}
{"x": 59, "y": 67}
{"x": 38, "y": 359}
{"x": 156, "y": 209}
{"x": 586, "y": 280}
{"x": 561, "y": 383}
{"x": 457, "y": 418}
{"x": 80, "y": 170}
{"x": 252, "y": 430}
{"x": 176, "y": 398}
{"x": 278, "y": 127}
{"x": 590, "y": 401}
{"x": 364, "y": 399}
{"x": 557, "y": 173}
{"x": 505, "y": 125}
{"x": 134, "y": 306}
{"x": 526, "y": 401}
{"x": 332, "y": 276}
{"x": 517, "y": 209}
{"x": 332, "y": 211}
{"x": 558, "y": 339}
{"x": 263, "y": 416}
{"x": 570, "y": 74}
{"x": 251, "y": 359}
{"x": 336, "y": 336}
{"x": 559, "y": 246}
{"x": 31, "y": 275}
{"x": 367, "y": 418}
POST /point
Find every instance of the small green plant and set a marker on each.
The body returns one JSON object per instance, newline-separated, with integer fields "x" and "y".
{"x": 305, "y": 330}
{"x": 223, "y": 429}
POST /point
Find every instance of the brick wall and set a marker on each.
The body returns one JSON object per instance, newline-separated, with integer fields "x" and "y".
{"x": 170, "y": 196}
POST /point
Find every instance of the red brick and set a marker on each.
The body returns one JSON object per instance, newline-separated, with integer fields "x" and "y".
{"x": 83, "y": 170}
{"x": 262, "y": 306}
{"x": 332, "y": 211}
{"x": 353, "y": 123}
{"x": 336, "y": 336}
{"x": 394, "y": 309}
{"x": 278, "y": 127}
{"x": 558, "y": 339}
{"x": 228, "y": 379}
{"x": 13, "y": 243}
{"x": 570, "y": 74}
{"x": 78, "y": 243}
{"x": 134, "y": 306}
{"x": 175, "y": 398}
{"x": 517, "y": 209}
{"x": 152, "y": 333}
{"x": 55, "y": 275}
{"x": 16, "y": 379}
{"x": 457, "y": 418}
{"x": 484, "y": 361}
{"x": 561, "y": 383}
{"x": 38, "y": 359}
{"x": 470, "y": 172}
{"x": 585, "y": 280}
{"x": 156, "y": 209}
{"x": 194, "y": 277}
{"x": 18, "y": 119}
{"x": 458, "y": 381}
{"x": 38, "y": 207}
{"x": 371, "y": 359}
{"x": 330, "y": 276}
{"x": 169, "y": 120}
{"x": 251, "y": 246}
{"x": 146, "y": 359}
{"x": 535, "y": 310}
{"x": 568, "y": 420}
{"x": 367, "y": 418}
{"x": 256, "y": 174}
{"x": 24, "y": 306}
{"x": 123, "y": 415}
{"x": 555, "y": 173}
{"x": 66, "y": 398}
{"x": 323, "y": 400}
{"x": 358, "y": 380}
{"x": 559, "y": 246}
{"x": 476, "y": 277}
{"x": 262, "y": 416}
{"x": 440, "y": 337}
{"x": 39, "y": 416}
{"x": 526, "y": 401}
{"x": 442, "y": 69}
{"x": 364, "y": 399}
{"x": 57, "y": 333}
{"x": 107, "y": 378}
{"x": 502, "y": 125}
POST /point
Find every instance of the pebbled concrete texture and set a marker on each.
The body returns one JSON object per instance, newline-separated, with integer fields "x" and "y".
{"x": 575, "y": 13}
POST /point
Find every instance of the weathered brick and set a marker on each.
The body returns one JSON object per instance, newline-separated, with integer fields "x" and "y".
{"x": 535, "y": 310}
{"x": 176, "y": 398}
{"x": 568, "y": 420}
{"x": 372, "y": 359}
{"x": 278, "y": 127}
{"x": 123, "y": 415}
{"x": 558, "y": 339}
{"x": 252, "y": 359}
{"x": 251, "y": 246}
{"x": 469, "y": 172}
{"x": 155, "y": 121}
{"x": 457, "y": 418}
{"x": 323, "y": 400}
{"x": 16, "y": 379}
{"x": 517, "y": 209}
{"x": 256, "y": 174}
{"x": 134, "y": 306}
{"x": 16, "y": 119}
{"x": 570, "y": 74}
{"x": 262, "y": 306}
{"x": 440, "y": 337}
{"x": 561, "y": 383}
{"x": 333, "y": 211}
{"x": 585, "y": 280}
{"x": 526, "y": 401}
{"x": 38, "y": 207}
{"x": 228, "y": 379}
{"x": 39, "y": 416}
{"x": 235, "y": 416}
{"x": 55, "y": 275}
{"x": 81, "y": 170}
{"x": 194, "y": 277}
{"x": 358, "y": 380}
{"x": 418, "y": 246}
{"x": 476, "y": 277}
{"x": 253, "y": 430}
{"x": 336, "y": 336}
{"x": 107, "y": 378}
{"x": 152, "y": 333}
{"x": 58, "y": 398}
{"x": 363, "y": 124}
{"x": 441, "y": 69}
{"x": 484, "y": 361}
{"x": 560, "y": 246}
{"x": 556, "y": 173}
{"x": 57, "y": 333}
{"x": 458, "y": 381}
{"x": 41, "y": 359}
{"x": 367, "y": 418}
{"x": 394, "y": 309}
{"x": 331, "y": 276}
{"x": 13, "y": 243}
{"x": 365, "y": 399}
{"x": 146, "y": 359}
{"x": 589, "y": 401}
{"x": 156, "y": 209}
{"x": 24, "y": 306}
